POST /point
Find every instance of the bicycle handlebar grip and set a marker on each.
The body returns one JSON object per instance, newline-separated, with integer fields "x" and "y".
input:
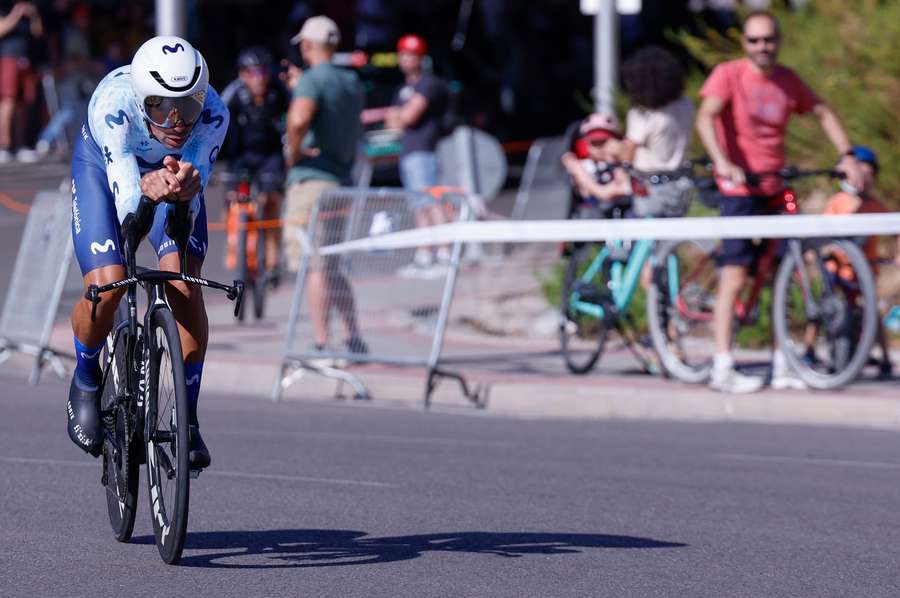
{"x": 237, "y": 296}
{"x": 94, "y": 297}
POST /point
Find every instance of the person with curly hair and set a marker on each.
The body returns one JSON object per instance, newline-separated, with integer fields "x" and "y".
{"x": 661, "y": 117}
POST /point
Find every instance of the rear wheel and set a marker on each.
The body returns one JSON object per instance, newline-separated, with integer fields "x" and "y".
{"x": 585, "y": 316}
{"x": 680, "y": 308}
{"x": 825, "y": 313}
{"x": 121, "y": 435}
{"x": 168, "y": 441}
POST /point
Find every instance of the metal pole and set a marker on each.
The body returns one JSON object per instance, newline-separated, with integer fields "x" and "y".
{"x": 606, "y": 55}
{"x": 171, "y": 17}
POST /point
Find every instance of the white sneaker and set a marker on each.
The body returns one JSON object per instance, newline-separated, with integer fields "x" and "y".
{"x": 423, "y": 258}
{"x": 5, "y": 156}
{"x": 731, "y": 381}
{"x": 786, "y": 380}
{"x": 27, "y": 156}
{"x": 443, "y": 255}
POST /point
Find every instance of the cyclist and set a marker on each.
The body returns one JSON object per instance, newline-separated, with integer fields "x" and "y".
{"x": 742, "y": 121}
{"x": 154, "y": 128}
{"x": 258, "y": 105}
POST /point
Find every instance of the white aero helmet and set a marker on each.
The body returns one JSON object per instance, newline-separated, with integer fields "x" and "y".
{"x": 169, "y": 78}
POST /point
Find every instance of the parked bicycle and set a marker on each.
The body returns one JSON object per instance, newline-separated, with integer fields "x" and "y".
{"x": 824, "y": 305}
{"x": 601, "y": 280}
{"x": 143, "y": 394}
{"x": 245, "y": 240}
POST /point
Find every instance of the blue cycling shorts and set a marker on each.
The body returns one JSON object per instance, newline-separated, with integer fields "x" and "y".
{"x": 95, "y": 225}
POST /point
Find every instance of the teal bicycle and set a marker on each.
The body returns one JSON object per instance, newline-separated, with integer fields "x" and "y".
{"x": 599, "y": 285}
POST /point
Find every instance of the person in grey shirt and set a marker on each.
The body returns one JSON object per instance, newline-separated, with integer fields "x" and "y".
{"x": 323, "y": 134}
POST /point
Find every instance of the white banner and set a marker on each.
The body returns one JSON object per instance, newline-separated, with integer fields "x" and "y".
{"x": 548, "y": 231}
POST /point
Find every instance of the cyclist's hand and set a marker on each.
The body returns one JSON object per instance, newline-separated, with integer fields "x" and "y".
{"x": 160, "y": 185}
{"x": 188, "y": 178}
{"x": 849, "y": 165}
{"x": 731, "y": 173}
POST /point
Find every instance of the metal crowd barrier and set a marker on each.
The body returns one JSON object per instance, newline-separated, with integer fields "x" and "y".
{"x": 36, "y": 287}
{"x": 382, "y": 298}
{"x": 544, "y": 189}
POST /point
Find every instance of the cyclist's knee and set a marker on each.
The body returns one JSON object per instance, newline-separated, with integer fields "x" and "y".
{"x": 104, "y": 276}
{"x": 177, "y": 289}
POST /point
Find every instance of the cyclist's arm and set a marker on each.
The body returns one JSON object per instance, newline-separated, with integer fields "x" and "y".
{"x": 209, "y": 143}
{"x": 122, "y": 173}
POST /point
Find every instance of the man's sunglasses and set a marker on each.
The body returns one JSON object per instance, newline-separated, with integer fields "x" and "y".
{"x": 769, "y": 39}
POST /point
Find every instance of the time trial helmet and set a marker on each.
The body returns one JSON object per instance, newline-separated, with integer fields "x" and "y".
{"x": 169, "y": 78}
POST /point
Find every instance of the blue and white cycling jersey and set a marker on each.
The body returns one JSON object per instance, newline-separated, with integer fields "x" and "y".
{"x": 115, "y": 149}
{"x": 129, "y": 150}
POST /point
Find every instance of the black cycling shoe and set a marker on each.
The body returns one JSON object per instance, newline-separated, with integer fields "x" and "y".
{"x": 83, "y": 409}
{"x": 198, "y": 455}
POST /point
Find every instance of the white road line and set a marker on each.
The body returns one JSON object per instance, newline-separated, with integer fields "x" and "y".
{"x": 229, "y": 474}
{"x": 298, "y": 478}
{"x": 419, "y": 440}
{"x": 812, "y": 461}
{"x": 26, "y": 461}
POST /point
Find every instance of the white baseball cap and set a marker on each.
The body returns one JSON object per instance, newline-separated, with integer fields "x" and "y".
{"x": 319, "y": 29}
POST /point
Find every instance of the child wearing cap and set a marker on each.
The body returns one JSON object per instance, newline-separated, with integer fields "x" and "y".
{"x": 593, "y": 161}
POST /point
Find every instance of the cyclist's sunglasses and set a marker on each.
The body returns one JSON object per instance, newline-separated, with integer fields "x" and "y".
{"x": 769, "y": 39}
{"x": 255, "y": 71}
{"x": 167, "y": 113}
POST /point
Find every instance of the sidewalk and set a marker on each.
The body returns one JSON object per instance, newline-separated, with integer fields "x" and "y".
{"x": 526, "y": 378}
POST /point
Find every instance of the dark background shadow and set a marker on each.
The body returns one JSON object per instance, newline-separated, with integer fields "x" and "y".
{"x": 333, "y": 548}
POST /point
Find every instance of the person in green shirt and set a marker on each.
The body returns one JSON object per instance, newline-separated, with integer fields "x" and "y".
{"x": 323, "y": 134}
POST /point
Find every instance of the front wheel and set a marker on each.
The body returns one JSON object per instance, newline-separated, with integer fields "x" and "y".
{"x": 825, "y": 312}
{"x": 167, "y": 435}
{"x": 680, "y": 308}
{"x": 584, "y": 318}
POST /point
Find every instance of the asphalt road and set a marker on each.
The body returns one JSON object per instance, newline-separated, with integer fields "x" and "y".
{"x": 333, "y": 499}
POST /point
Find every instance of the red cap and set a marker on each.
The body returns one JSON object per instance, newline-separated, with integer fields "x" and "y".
{"x": 600, "y": 126}
{"x": 412, "y": 44}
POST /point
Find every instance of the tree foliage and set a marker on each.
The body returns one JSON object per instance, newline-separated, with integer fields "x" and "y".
{"x": 848, "y": 51}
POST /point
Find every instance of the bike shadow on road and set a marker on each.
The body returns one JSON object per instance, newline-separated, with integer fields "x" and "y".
{"x": 288, "y": 548}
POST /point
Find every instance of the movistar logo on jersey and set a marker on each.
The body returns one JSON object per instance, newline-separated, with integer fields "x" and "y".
{"x": 98, "y": 248}
{"x": 118, "y": 119}
{"x": 207, "y": 118}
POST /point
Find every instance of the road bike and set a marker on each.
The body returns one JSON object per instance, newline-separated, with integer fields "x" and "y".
{"x": 144, "y": 406}
{"x": 824, "y": 305}
{"x": 245, "y": 239}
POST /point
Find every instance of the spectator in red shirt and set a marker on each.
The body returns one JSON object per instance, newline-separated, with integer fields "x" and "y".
{"x": 742, "y": 122}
